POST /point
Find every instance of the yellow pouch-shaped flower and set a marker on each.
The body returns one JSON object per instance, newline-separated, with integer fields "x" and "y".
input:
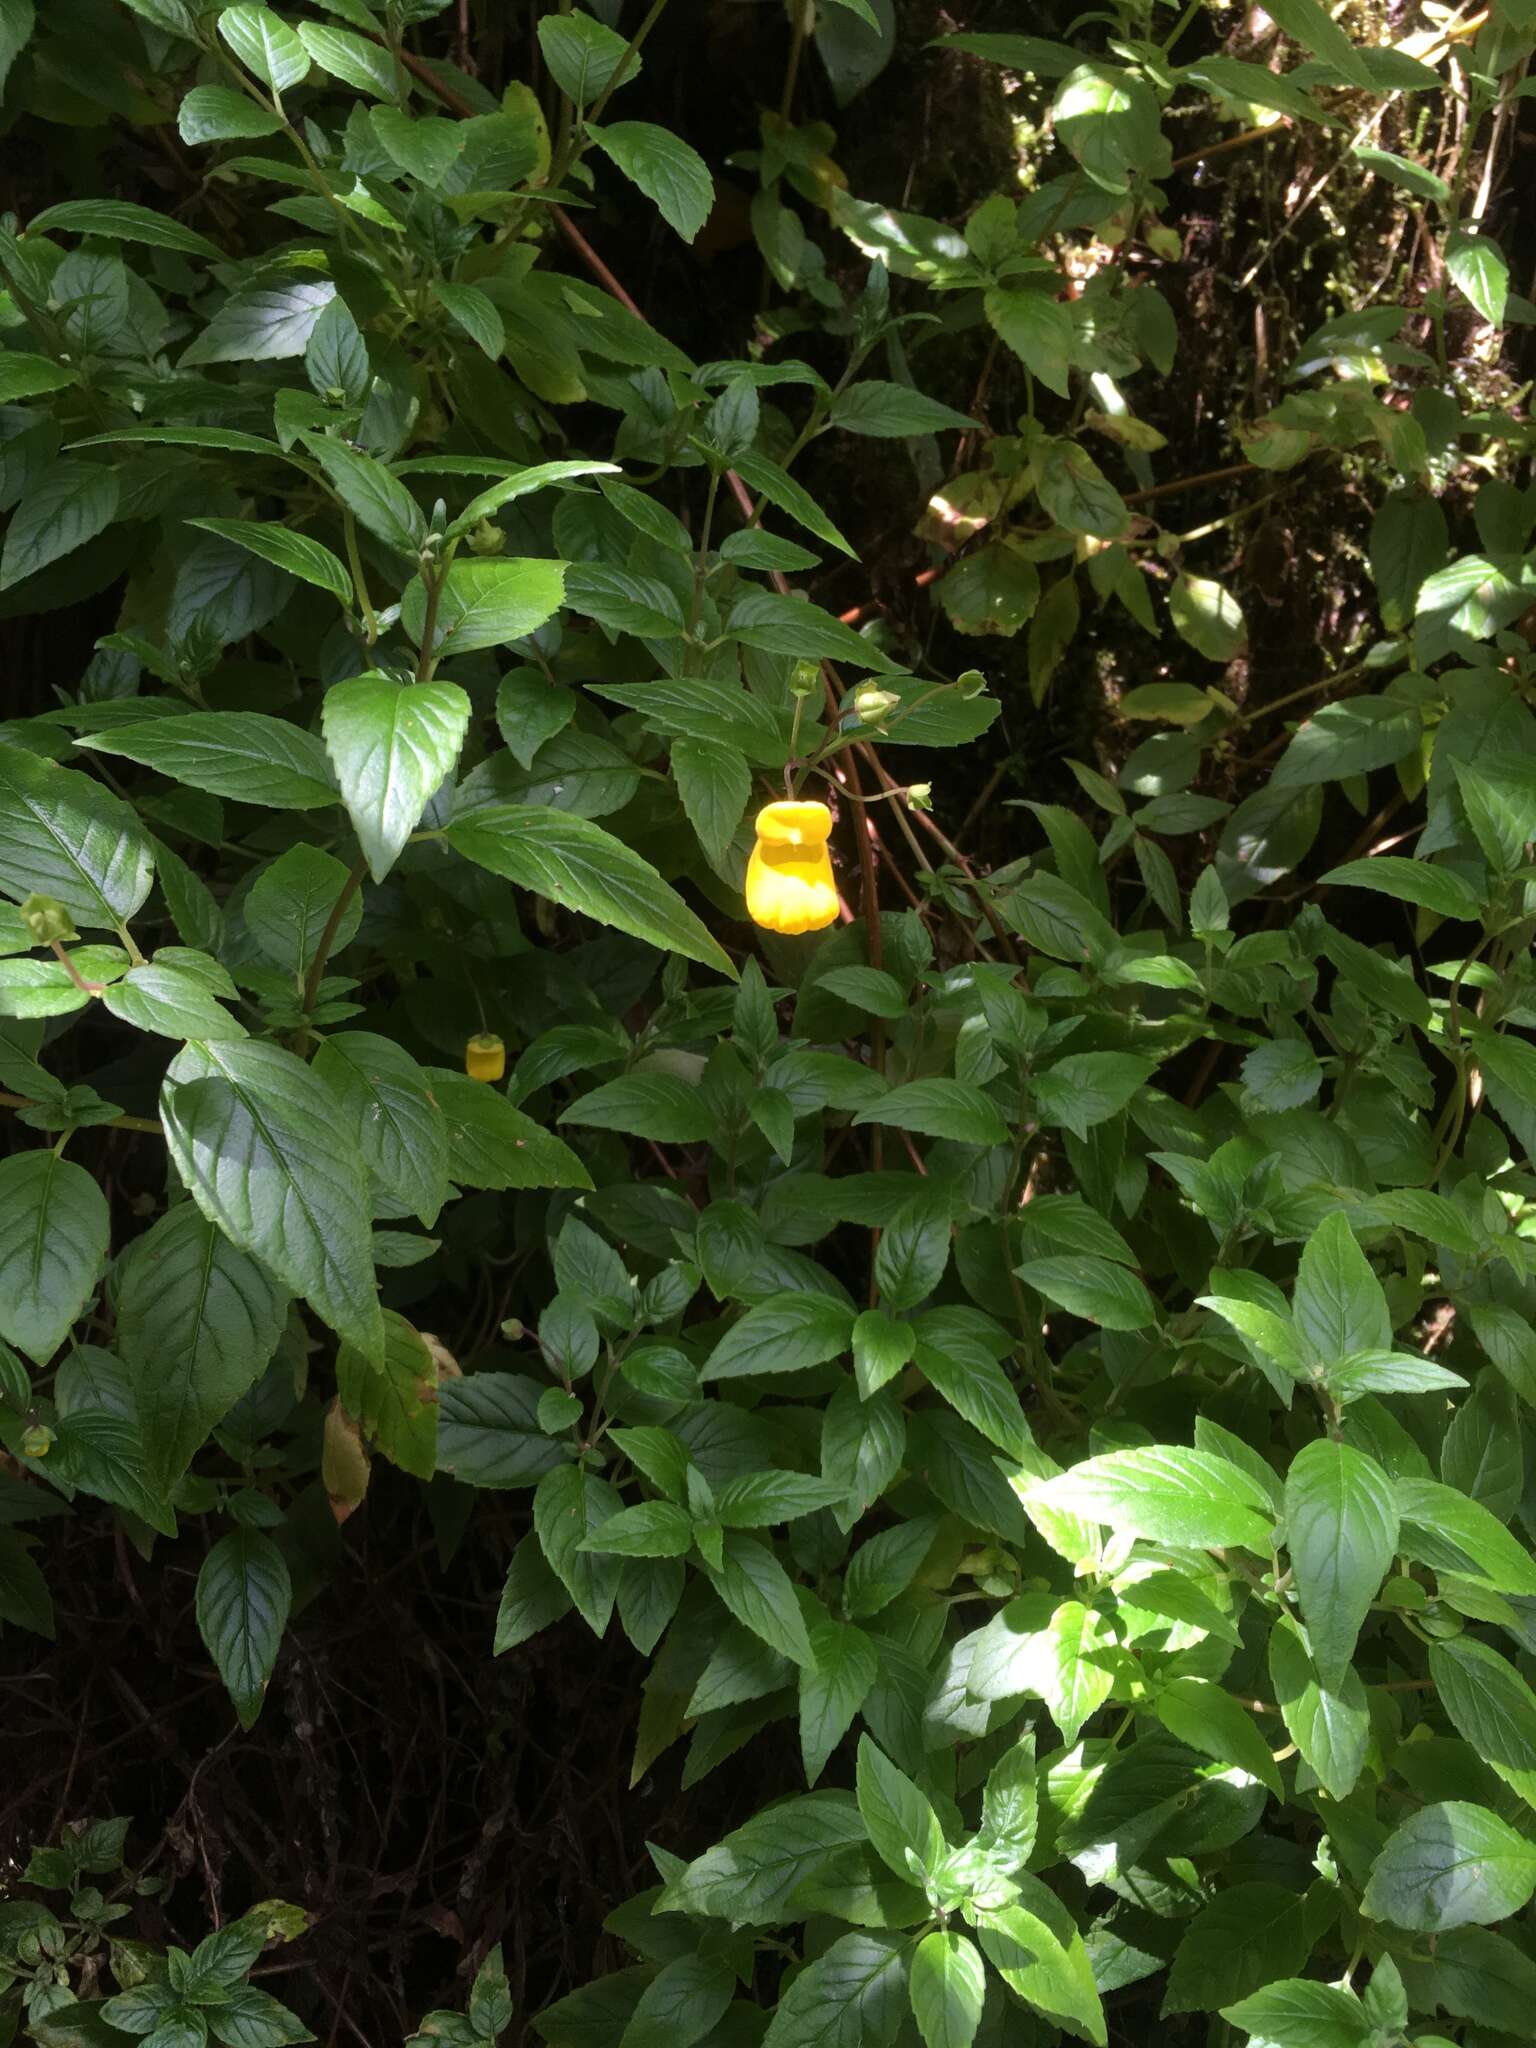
{"x": 789, "y": 877}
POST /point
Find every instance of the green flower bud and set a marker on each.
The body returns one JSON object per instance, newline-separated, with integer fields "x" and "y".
{"x": 920, "y": 796}
{"x": 971, "y": 683}
{"x": 805, "y": 679}
{"x": 873, "y": 706}
{"x": 37, "y": 1440}
{"x": 47, "y": 920}
{"x": 487, "y": 539}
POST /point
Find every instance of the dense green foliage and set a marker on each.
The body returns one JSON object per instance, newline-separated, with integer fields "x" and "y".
{"x": 1060, "y": 1342}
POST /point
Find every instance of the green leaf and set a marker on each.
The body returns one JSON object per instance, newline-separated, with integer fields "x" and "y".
{"x": 1488, "y": 1702}
{"x": 662, "y": 1107}
{"x": 386, "y": 1106}
{"x": 1441, "y": 1527}
{"x": 1166, "y": 1494}
{"x": 1098, "y": 1290}
{"x": 1341, "y": 1521}
{"x": 53, "y": 1239}
{"x": 469, "y": 308}
{"x": 891, "y": 411}
{"x": 584, "y": 56}
{"x": 758, "y": 1591}
{"x": 1038, "y": 330}
{"x": 217, "y": 113}
{"x": 198, "y": 1321}
{"x": 241, "y": 754}
{"x": 423, "y": 147}
{"x": 995, "y": 589}
{"x": 265, "y": 45}
{"x": 1441, "y": 890}
{"x": 1297, "y": 2013}
{"x": 1244, "y": 1939}
{"x": 253, "y": 1134}
{"x": 488, "y": 1433}
{"x": 1315, "y": 29}
{"x": 570, "y": 1505}
{"x": 1402, "y": 172}
{"x": 578, "y": 864}
{"x": 531, "y": 1599}
{"x": 243, "y": 1597}
{"x": 222, "y": 438}
{"x": 171, "y": 1000}
{"x": 291, "y": 903}
{"x": 1451, "y": 1865}
{"x": 366, "y": 66}
{"x": 1207, "y": 616}
{"x": 29, "y": 376}
{"x": 63, "y": 835}
{"x": 521, "y": 483}
{"x": 1108, "y": 118}
{"x": 25, "y": 1601}
{"x": 1078, "y": 496}
{"x": 900, "y": 1820}
{"x": 486, "y": 604}
{"x": 652, "y": 1528}
{"x": 1477, "y": 265}
{"x": 45, "y": 988}
{"x": 1283, "y": 1074}
{"x": 715, "y": 786}
{"x": 667, "y": 170}
{"x": 120, "y": 220}
{"x": 1346, "y": 739}
{"x": 375, "y": 497}
{"x": 787, "y": 625}
{"x": 955, "y": 1355}
{"x": 1070, "y": 1664}
{"x": 391, "y": 747}
{"x": 395, "y": 1401}
{"x": 779, "y": 488}
{"x": 1088, "y": 1088}
{"x": 683, "y": 2002}
{"x": 493, "y": 1145}
{"x": 1331, "y": 1726}
{"x": 751, "y": 1876}
{"x": 947, "y": 1987}
{"x": 1409, "y": 541}
{"x": 1043, "y": 1960}
{"x": 248, "y": 2017}
{"x": 853, "y": 1996}
{"x": 300, "y": 556}
{"x": 1198, "y": 1712}
{"x": 913, "y": 1251}
{"x": 785, "y": 1333}
{"x": 832, "y": 1690}
{"x": 1339, "y": 1307}
{"x": 261, "y": 322}
{"x": 336, "y": 356}
{"x": 939, "y": 1109}
{"x": 70, "y": 504}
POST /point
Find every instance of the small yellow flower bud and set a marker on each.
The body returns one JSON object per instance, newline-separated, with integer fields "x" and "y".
{"x": 485, "y": 1057}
